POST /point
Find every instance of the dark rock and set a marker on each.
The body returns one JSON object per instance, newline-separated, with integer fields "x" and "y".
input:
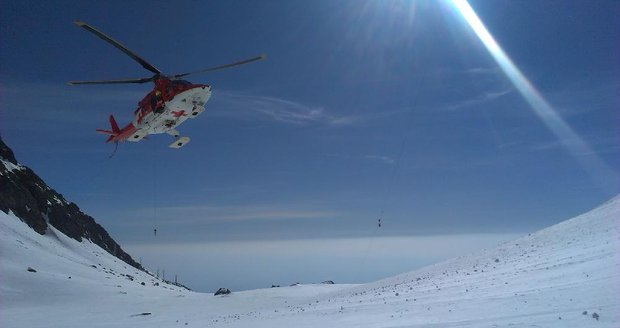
{"x": 595, "y": 316}
{"x": 142, "y": 283}
{"x": 274, "y": 286}
{"x": 222, "y": 291}
{"x": 295, "y": 284}
{"x": 584, "y": 312}
{"x": 31, "y": 269}
{"x": 6, "y": 153}
{"x": 328, "y": 282}
{"x": 26, "y": 195}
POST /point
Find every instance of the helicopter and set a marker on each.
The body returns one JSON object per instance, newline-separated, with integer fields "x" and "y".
{"x": 171, "y": 102}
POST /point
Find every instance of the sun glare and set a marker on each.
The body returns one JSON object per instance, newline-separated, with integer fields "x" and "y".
{"x": 565, "y": 134}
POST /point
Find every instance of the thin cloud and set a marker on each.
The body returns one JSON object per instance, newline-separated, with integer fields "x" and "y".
{"x": 600, "y": 145}
{"x": 495, "y": 70}
{"x": 384, "y": 159}
{"x": 370, "y": 117}
{"x": 442, "y": 246}
{"x": 246, "y": 106}
{"x": 478, "y": 100}
{"x": 582, "y": 97}
{"x": 377, "y": 158}
{"x": 191, "y": 214}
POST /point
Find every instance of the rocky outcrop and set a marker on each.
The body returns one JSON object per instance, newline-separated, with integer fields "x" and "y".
{"x": 35, "y": 203}
{"x": 222, "y": 291}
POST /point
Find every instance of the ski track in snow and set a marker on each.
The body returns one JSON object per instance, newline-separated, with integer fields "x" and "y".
{"x": 545, "y": 279}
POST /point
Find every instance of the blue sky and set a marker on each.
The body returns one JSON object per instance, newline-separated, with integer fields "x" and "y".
{"x": 361, "y": 107}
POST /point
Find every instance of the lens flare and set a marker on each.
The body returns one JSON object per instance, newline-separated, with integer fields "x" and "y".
{"x": 578, "y": 148}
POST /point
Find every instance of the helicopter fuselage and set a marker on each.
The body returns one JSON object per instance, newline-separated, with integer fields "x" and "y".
{"x": 167, "y": 106}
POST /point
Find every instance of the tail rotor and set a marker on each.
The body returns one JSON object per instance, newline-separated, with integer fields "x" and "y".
{"x": 111, "y": 133}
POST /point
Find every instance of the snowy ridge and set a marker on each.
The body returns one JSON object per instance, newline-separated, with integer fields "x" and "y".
{"x": 28, "y": 197}
{"x": 68, "y": 273}
{"x": 556, "y": 272}
{"x": 567, "y": 275}
{"x": 10, "y": 167}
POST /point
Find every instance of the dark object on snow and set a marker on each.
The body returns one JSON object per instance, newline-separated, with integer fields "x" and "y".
{"x": 584, "y": 312}
{"x": 496, "y": 260}
{"x": 139, "y": 314}
{"x": 31, "y": 269}
{"x": 274, "y": 286}
{"x": 328, "y": 282}
{"x": 295, "y": 284}
{"x": 222, "y": 291}
{"x": 595, "y": 316}
{"x": 142, "y": 283}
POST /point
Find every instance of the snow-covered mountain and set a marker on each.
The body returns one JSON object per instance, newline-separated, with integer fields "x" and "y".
{"x": 26, "y": 195}
{"x": 567, "y": 275}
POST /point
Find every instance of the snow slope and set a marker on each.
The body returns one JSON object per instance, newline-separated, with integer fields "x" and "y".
{"x": 558, "y": 277}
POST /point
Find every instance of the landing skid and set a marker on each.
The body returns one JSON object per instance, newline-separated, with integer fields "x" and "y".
{"x": 180, "y": 142}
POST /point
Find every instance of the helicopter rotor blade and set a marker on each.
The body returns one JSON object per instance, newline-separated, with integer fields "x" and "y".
{"x": 119, "y": 46}
{"x": 142, "y": 80}
{"x": 211, "y": 69}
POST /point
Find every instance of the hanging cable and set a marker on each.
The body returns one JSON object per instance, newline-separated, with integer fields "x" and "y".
{"x": 404, "y": 138}
{"x": 154, "y": 193}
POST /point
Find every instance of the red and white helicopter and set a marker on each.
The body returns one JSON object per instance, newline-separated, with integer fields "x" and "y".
{"x": 170, "y": 103}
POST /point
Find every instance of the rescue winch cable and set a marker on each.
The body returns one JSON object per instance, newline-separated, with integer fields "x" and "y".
{"x": 385, "y": 203}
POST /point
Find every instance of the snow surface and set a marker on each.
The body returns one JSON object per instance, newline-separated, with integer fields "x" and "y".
{"x": 546, "y": 279}
{"x": 10, "y": 167}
